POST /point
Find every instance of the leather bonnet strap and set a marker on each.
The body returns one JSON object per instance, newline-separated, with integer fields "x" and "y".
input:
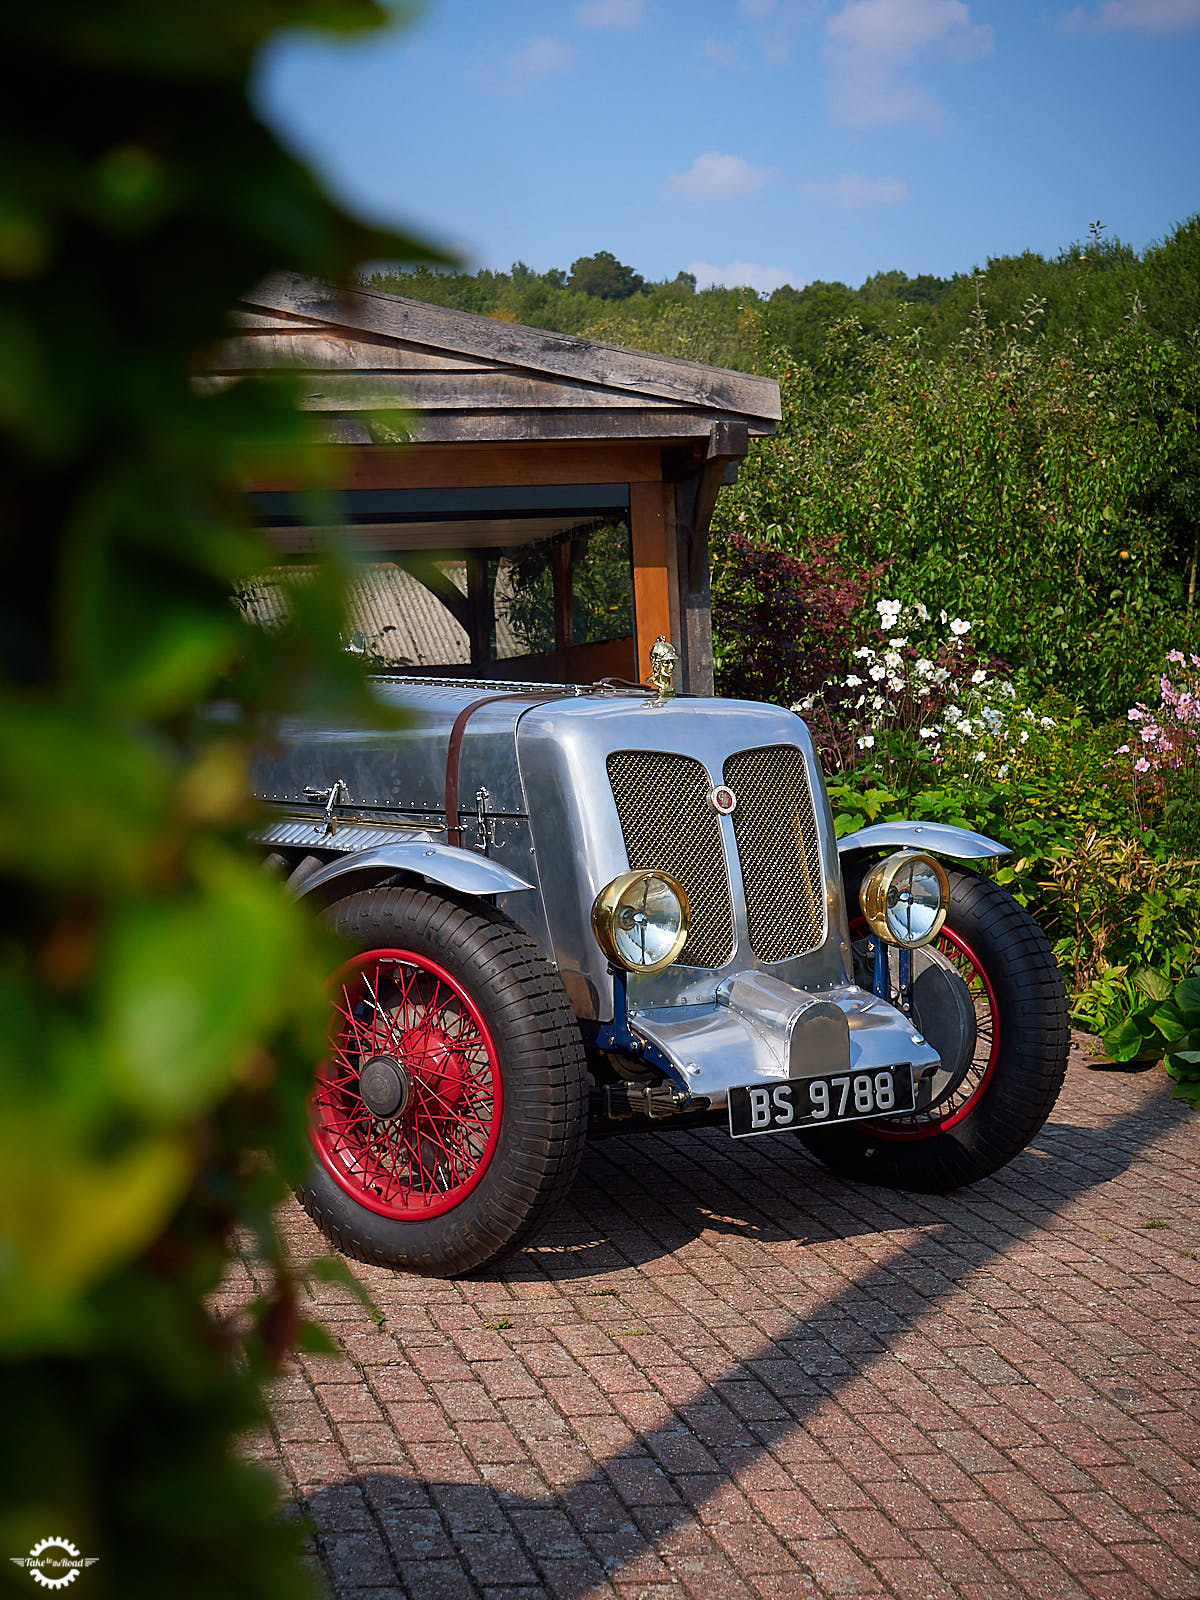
{"x": 454, "y": 748}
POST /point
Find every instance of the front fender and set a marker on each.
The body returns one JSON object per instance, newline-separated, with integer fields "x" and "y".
{"x": 939, "y": 838}
{"x": 443, "y": 864}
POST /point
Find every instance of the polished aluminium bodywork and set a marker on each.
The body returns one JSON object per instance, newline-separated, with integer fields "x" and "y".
{"x": 541, "y": 835}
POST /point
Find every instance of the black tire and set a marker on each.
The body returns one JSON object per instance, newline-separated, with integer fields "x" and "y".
{"x": 534, "y": 1119}
{"x": 1021, "y": 1059}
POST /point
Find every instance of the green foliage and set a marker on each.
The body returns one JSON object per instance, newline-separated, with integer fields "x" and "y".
{"x": 1162, "y": 1022}
{"x": 162, "y": 1000}
{"x": 1121, "y": 909}
{"x": 601, "y": 589}
{"x": 1086, "y": 293}
{"x": 604, "y": 276}
{"x": 1018, "y": 485}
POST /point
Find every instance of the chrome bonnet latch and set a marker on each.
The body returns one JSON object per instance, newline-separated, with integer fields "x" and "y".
{"x": 337, "y": 795}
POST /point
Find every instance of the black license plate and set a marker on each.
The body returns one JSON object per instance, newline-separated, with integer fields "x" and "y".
{"x": 820, "y": 1102}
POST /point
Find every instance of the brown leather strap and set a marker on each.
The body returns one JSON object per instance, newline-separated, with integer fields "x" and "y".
{"x": 454, "y": 748}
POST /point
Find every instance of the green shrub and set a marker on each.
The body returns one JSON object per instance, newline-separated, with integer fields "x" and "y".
{"x": 1163, "y": 1022}
{"x": 161, "y": 998}
{"x": 1026, "y": 487}
{"x": 920, "y": 729}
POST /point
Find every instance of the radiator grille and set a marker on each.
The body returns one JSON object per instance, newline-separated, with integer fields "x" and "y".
{"x": 668, "y": 824}
{"x": 775, "y": 825}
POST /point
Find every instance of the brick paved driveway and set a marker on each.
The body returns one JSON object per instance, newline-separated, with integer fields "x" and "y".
{"x": 724, "y": 1373}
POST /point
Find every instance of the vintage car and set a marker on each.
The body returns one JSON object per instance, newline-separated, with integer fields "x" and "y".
{"x": 581, "y": 910}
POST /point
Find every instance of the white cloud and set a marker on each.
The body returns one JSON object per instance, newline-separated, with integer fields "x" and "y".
{"x": 609, "y": 13}
{"x": 773, "y": 22}
{"x": 853, "y": 192}
{"x": 1144, "y": 16}
{"x": 532, "y": 61}
{"x": 743, "y": 274}
{"x": 714, "y": 176}
{"x": 720, "y": 54}
{"x": 869, "y": 43}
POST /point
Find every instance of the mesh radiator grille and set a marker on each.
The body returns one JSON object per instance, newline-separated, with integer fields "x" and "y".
{"x": 775, "y": 825}
{"x": 668, "y": 825}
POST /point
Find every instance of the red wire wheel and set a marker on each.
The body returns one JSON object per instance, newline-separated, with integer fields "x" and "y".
{"x": 1016, "y": 1070}
{"x": 963, "y": 1098}
{"x": 406, "y": 1108}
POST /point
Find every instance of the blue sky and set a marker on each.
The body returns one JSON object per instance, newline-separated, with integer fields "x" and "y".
{"x": 756, "y": 141}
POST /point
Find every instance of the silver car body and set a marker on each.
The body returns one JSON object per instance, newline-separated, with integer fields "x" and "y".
{"x": 557, "y": 792}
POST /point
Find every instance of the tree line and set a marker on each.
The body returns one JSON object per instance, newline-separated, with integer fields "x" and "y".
{"x": 1084, "y": 294}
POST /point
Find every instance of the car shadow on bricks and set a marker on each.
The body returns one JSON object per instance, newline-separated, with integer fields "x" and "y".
{"x": 726, "y": 1476}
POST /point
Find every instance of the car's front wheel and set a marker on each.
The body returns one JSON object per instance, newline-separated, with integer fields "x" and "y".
{"x": 449, "y": 1115}
{"x": 1005, "y": 1090}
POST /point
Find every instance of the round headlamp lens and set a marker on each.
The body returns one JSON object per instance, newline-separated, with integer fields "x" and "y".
{"x": 905, "y": 899}
{"x": 641, "y": 920}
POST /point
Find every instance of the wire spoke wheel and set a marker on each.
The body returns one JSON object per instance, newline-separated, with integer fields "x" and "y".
{"x": 969, "y": 1090}
{"x": 1019, "y": 1053}
{"x": 420, "y": 1149}
{"x": 448, "y": 1113}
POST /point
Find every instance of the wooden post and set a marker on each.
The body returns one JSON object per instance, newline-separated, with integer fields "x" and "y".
{"x": 651, "y": 569}
{"x": 560, "y": 557}
{"x": 695, "y": 592}
{"x": 479, "y": 609}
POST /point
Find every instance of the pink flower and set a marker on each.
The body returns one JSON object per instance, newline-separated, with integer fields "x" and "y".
{"x": 1141, "y": 765}
{"x": 1176, "y": 656}
{"x": 1123, "y": 750}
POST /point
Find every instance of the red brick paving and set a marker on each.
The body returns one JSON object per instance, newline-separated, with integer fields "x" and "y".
{"x": 725, "y": 1374}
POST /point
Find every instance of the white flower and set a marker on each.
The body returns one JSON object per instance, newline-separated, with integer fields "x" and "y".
{"x": 992, "y": 717}
{"x": 876, "y": 702}
{"x": 964, "y": 726}
{"x": 942, "y": 617}
{"x": 893, "y": 659}
{"x": 806, "y": 704}
{"x": 895, "y": 684}
{"x": 1009, "y": 690}
{"x": 980, "y": 755}
{"x": 1026, "y": 714}
{"x": 958, "y": 627}
{"x": 941, "y": 675}
{"x": 1002, "y": 772}
{"x": 888, "y": 607}
{"x": 923, "y": 668}
{"x": 888, "y": 621}
{"x": 864, "y": 653}
{"x": 922, "y": 612}
{"x": 1024, "y": 735}
{"x": 1048, "y": 722}
{"x": 898, "y": 644}
{"x": 929, "y": 733}
{"x": 979, "y": 676}
{"x": 861, "y": 701}
{"x": 853, "y": 680}
{"x": 952, "y": 713}
{"x": 923, "y": 692}
{"x": 867, "y": 742}
{"x": 877, "y": 673}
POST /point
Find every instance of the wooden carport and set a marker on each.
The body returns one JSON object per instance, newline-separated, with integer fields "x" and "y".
{"x": 516, "y": 434}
